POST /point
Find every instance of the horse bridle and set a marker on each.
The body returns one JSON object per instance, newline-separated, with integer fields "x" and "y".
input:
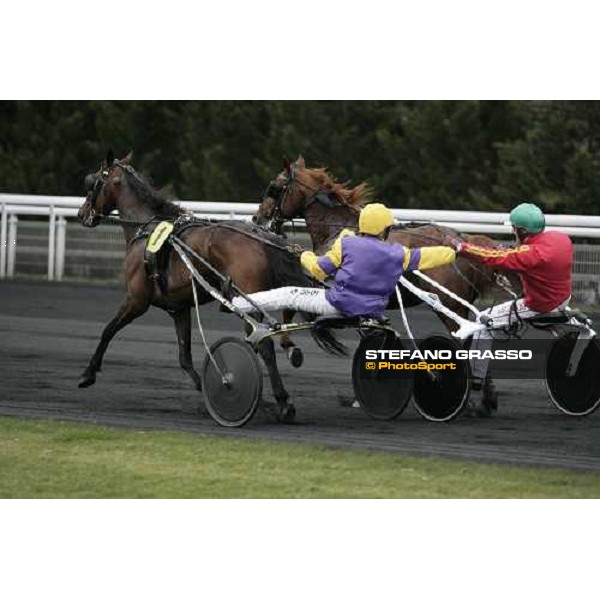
{"x": 280, "y": 194}
{"x": 96, "y": 185}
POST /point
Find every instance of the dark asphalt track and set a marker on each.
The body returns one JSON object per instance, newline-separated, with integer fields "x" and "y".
{"x": 49, "y": 332}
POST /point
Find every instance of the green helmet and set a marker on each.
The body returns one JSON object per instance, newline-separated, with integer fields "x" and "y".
{"x": 528, "y": 217}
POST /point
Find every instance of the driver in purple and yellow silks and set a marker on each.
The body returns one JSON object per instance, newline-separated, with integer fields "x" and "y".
{"x": 365, "y": 270}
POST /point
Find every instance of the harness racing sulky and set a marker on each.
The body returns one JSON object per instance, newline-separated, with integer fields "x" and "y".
{"x": 232, "y": 380}
{"x": 195, "y": 270}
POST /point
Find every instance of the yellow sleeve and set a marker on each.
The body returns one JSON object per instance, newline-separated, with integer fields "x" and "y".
{"x": 309, "y": 263}
{"x": 428, "y": 257}
{"x": 335, "y": 252}
{"x": 332, "y": 259}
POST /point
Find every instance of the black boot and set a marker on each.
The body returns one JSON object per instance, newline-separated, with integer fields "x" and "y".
{"x": 478, "y": 408}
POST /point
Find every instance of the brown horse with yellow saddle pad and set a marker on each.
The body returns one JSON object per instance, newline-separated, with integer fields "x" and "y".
{"x": 250, "y": 257}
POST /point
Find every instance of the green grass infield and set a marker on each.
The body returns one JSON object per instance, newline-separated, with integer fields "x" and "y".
{"x": 52, "y": 459}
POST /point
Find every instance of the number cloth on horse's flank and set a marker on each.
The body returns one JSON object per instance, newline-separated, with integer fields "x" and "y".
{"x": 159, "y": 236}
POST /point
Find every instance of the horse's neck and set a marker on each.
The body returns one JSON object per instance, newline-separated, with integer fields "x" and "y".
{"x": 324, "y": 223}
{"x": 133, "y": 212}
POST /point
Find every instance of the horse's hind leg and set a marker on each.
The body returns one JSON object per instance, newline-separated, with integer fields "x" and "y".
{"x": 183, "y": 328}
{"x": 287, "y": 411}
{"x": 490, "y": 393}
{"x": 293, "y": 353}
{"x": 130, "y": 310}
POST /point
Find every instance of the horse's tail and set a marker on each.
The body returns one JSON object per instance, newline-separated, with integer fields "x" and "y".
{"x": 284, "y": 264}
{"x": 285, "y": 269}
{"x": 325, "y": 339}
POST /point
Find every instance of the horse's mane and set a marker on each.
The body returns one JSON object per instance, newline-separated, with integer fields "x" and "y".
{"x": 353, "y": 197}
{"x": 155, "y": 199}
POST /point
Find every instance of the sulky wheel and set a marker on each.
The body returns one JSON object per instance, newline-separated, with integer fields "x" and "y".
{"x": 579, "y": 394}
{"x": 231, "y": 392}
{"x": 440, "y": 395}
{"x": 382, "y": 395}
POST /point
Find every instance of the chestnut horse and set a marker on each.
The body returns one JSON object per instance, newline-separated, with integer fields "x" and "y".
{"x": 234, "y": 248}
{"x": 328, "y": 206}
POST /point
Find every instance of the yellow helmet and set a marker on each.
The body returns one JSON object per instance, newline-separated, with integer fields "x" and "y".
{"x": 374, "y": 219}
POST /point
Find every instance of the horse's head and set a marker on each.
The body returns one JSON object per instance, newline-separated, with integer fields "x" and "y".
{"x": 103, "y": 190}
{"x": 287, "y": 195}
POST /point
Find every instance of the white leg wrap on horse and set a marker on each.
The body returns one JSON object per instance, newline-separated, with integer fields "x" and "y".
{"x": 311, "y": 300}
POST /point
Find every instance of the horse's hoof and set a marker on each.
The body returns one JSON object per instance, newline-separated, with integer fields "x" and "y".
{"x": 295, "y": 356}
{"x": 87, "y": 379}
{"x": 477, "y": 411}
{"x": 345, "y": 401}
{"x": 287, "y": 413}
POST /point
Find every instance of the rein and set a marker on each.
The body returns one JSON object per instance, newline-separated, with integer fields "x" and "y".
{"x": 492, "y": 280}
{"x": 122, "y": 221}
{"x": 296, "y": 249}
{"x": 96, "y": 188}
{"x": 277, "y": 218}
{"x": 324, "y": 198}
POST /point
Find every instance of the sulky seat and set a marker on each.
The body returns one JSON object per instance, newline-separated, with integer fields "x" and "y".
{"x": 549, "y": 318}
{"x": 342, "y": 321}
{"x": 557, "y": 317}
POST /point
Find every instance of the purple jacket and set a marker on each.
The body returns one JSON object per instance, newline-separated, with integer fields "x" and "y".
{"x": 366, "y": 275}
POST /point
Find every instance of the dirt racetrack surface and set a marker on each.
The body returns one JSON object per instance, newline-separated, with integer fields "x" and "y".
{"x": 49, "y": 332}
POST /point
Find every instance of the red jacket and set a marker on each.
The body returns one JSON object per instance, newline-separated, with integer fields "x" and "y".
{"x": 543, "y": 263}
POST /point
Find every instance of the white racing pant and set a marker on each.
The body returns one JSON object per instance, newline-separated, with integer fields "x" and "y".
{"x": 311, "y": 300}
{"x": 502, "y": 314}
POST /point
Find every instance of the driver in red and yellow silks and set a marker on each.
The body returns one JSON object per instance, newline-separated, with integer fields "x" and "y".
{"x": 543, "y": 260}
{"x": 365, "y": 270}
